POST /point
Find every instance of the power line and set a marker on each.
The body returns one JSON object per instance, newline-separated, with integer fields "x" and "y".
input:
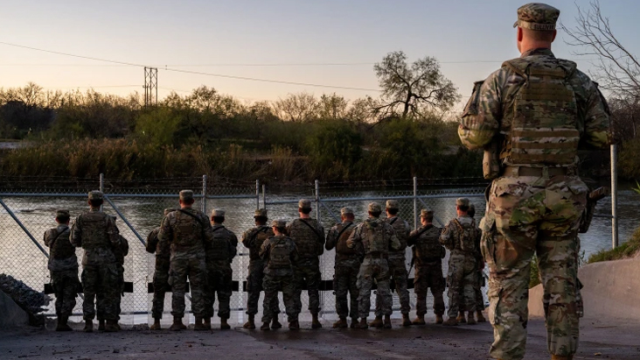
{"x": 72, "y": 55}
{"x": 90, "y": 86}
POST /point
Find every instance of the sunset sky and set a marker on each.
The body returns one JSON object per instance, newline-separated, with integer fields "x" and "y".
{"x": 327, "y": 42}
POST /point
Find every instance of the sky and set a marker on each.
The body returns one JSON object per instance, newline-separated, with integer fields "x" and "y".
{"x": 324, "y": 42}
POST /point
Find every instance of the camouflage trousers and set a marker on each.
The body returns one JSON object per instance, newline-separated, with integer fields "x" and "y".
{"x": 100, "y": 296}
{"x": 65, "y": 286}
{"x": 102, "y": 280}
{"x": 462, "y": 280}
{"x": 479, "y": 296}
{"x": 528, "y": 215}
{"x": 192, "y": 266}
{"x": 271, "y": 284}
{"x": 345, "y": 282}
{"x": 374, "y": 269}
{"x": 308, "y": 273}
{"x": 398, "y": 272}
{"x": 160, "y": 287}
{"x": 428, "y": 275}
{"x": 219, "y": 277}
{"x": 254, "y": 288}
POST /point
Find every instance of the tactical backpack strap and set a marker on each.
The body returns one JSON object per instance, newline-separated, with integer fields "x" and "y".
{"x": 393, "y": 220}
{"x": 416, "y": 236}
{"x": 58, "y": 236}
{"x": 343, "y": 230}
{"x": 198, "y": 220}
{"x": 312, "y": 228}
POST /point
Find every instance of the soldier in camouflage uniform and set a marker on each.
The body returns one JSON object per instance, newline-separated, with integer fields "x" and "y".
{"x": 160, "y": 274}
{"x": 347, "y": 266}
{"x": 397, "y": 264}
{"x": 220, "y": 253}
{"x": 98, "y": 235}
{"x": 427, "y": 256}
{"x": 187, "y": 231}
{"x": 120, "y": 252}
{"x": 460, "y": 236}
{"x": 308, "y": 235}
{"x": 539, "y": 110}
{"x": 63, "y": 266}
{"x": 252, "y": 239}
{"x": 377, "y": 238}
{"x": 479, "y": 275}
{"x": 280, "y": 256}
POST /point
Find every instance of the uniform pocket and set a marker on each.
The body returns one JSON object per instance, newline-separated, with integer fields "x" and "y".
{"x": 487, "y": 244}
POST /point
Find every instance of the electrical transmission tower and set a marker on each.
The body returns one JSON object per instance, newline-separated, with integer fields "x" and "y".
{"x": 150, "y": 86}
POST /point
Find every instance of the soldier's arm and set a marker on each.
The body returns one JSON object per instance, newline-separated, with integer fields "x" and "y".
{"x": 165, "y": 234}
{"x": 233, "y": 246}
{"x": 331, "y": 238}
{"x": 152, "y": 241}
{"x": 413, "y": 237}
{"x": 247, "y": 238}
{"x": 597, "y": 120}
{"x": 208, "y": 230}
{"x": 47, "y": 238}
{"x": 264, "y": 250}
{"x": 394, "y": 243}
{"x": 76, "y": 233}
{"x": 113, "y": 232}
{"x": 446, "y": 236}
{"x": 294, "y": 255}
{"x": 355, "y": 237}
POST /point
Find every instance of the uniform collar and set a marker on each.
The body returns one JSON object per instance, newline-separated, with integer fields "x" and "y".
{"x": 538, "y": 51}
{"x": 62, "y": 227}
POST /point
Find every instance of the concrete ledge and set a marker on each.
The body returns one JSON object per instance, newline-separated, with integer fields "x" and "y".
{"x": 12, "y": 314}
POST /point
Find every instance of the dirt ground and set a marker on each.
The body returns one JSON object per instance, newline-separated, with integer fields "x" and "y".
{"x": 598, "y": 341}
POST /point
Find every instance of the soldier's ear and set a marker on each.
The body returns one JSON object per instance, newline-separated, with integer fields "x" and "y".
{"x": 555, "y": 33}
{"x": 520, "y": 34}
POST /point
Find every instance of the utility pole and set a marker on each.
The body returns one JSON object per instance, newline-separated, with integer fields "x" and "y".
{"x": 150, "y": 86}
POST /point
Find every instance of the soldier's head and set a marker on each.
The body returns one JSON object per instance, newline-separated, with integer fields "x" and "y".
{"x": 426, "y": 217}
{"x": 472, "y": 210}
{"x": 462, "y": 206}
{"x": 536, "y": 26}
{"x": 260, "y": 216}
{"x": 346, "y": 214}
{"x": 392, "y": 207}
{"x": 304, "y": 207}
{"x": 186, "y": 198}
{"x": 279, "y": 227}
{"x": 374, "y": 210}
{"x": 217, "y": 216}
{"x": 63, "y": 217}
{"x": 96, "y": 198}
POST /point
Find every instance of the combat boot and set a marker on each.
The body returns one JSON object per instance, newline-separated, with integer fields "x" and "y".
{"x": 377, "y": 322}
{"x": 207, "y": 323}
{"x": 470, "y": 319}
{"x": 156, "y": 325}
{"x": 199, "y": 326}
{"x": 100, "y": 324}
{"x": 315, "y": 324}
{"x": 275, "y": 324}
{"x": 405, "y": 320}
{"x": 363, "y": 324}
{"x": 341, "y": 324}
{"x": 112, "y": 326}
{"x": 354, "y": 323}
{"x": 250, "y": 324}
{"x": 387, "y": 322}
{"x": 224, "y": 325}
{"x": 450, "y": 322}
{"x": 419, "y": 320}
{"x": 265, "y": 326}
{"x": 294, "y": 325}
{"x": 439, "y": 319}
{"x": 62, "y": 324}
{"x": 558, "y": 357}
{"x": 177, "y": 324}
{"x": 480, "y": 317}
{"x": 461, "y": 319}
{"x": 88, "y": 326}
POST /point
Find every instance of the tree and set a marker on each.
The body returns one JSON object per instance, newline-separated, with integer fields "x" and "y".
{"x": 332, "y": 107}
{"x": 297, "y": 107}
{"x": 413, "y": 88}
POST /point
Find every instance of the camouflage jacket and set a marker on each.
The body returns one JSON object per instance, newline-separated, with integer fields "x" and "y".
{"x": 426, "y": 244}
{"x": 253, "y": 238}
{"x": 97, "y": 233}
{"x": 337, "y": 238}
{"x": 365, "y": 233}
{"x": 62, "y": 255}
{"x": 224, "y": 245}
{"x": 162, "y": 251}
{"x": 488, "y": 113}
{"x": 402, "y": 229}
{"x": 185, "y": 233}
{"x": 308, "y": 235}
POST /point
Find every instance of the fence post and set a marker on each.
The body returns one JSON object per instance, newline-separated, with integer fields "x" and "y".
{"x": 257, "y": 194}
{"x": 318, "y": 200}
{"x": 415, "y": 202}
{"x": 204, "y": 194}
{"x": 614, "y": 196}
{"x": 101, "y": 186}
{"x": 264, "y": 196}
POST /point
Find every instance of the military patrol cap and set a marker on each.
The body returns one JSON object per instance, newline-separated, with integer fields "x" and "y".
{"x": 462, "y": 202}
{"x": 345, "y": 211}
{"x": 537, "y": 16}
{"x": 304, "y": 204}
{"x": 375, "y": 207}
{"x": 279, "y": 223}
{"x": 63, "y": 213}
{"x": 260, "y": 213}
{"x": 426, "y": 213}
{"x": 96, "y": 195}
{"x": 186, "y": 194}
{"x": 217, "y": 213}
{"x": 393, "y": 204}
{"x": 167, "y": 211}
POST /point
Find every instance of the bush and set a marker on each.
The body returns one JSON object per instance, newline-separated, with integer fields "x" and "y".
{"x": 629, "y": 249}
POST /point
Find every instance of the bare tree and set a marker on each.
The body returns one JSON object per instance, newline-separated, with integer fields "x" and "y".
{"x": 297, "y": 107}
{"x": 413, "y": 88}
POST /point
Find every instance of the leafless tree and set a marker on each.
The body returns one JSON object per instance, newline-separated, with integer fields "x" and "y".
{"x": 297, "y": 107}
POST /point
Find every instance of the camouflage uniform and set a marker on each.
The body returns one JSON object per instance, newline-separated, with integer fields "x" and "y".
{"x": 536, "y": 204}
{"x": 459, "y": 236}
{"x": 187, "y": 231}
{"x": 377, "y": 238}
{"x": 161, "y": 271}
{"x": 347, "y": 266}
{"x": 280, "y": 256}
{"x": 308, "y": 235}
{"x": 220, "y": 253}
{"x": 427, "y": 256}
{"x": 397, "y": 260}
{"x": 120, "y": 252}
{"x": 98, "y": 235}
{"x": 479, "y": 273}
{"x": 63, "y": 266}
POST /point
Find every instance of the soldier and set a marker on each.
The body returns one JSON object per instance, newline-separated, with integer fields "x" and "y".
{"x": 280, "y": 256}
{"x": 253, "y": 239}
{"x": 63, "y": 266}
{"x": 120, "y": 252}
{"x": 187, "y": 230}
{"x": 397, "y": 264}
{"x": 220, "y": 253}
{"x": 98, "y": 235}
{"x": 538, "y": 109}
{"x": 377, "y": 238}
{"x": 459, "y": 236}
{"x": 308, "y": 235}
{"x": 427, "y": 256}
{"x": 347, "y": 266}
{"x": 479, "y": 275}
{"x": 161, "y": 273}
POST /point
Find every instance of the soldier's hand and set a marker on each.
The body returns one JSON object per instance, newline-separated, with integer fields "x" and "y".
{"x": 350, "y": 243}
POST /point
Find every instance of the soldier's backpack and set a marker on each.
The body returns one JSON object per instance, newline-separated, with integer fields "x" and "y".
{"x": 279, "y": 254}
{"x": 428, "y": 246}
{"x": 94, "y": 230}
{"x": 343, "y": 236}
{"x": 219, "y": 247}
{"x": 61, "y": 247}
{"x": 466, "y": 236}
{"x": 188, "y": 230}
{"x": 259, "y": 236}
{"x": 374, "y": 240}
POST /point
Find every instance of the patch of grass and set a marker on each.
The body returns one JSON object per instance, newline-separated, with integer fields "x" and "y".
{"x": 624, "y": 251}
